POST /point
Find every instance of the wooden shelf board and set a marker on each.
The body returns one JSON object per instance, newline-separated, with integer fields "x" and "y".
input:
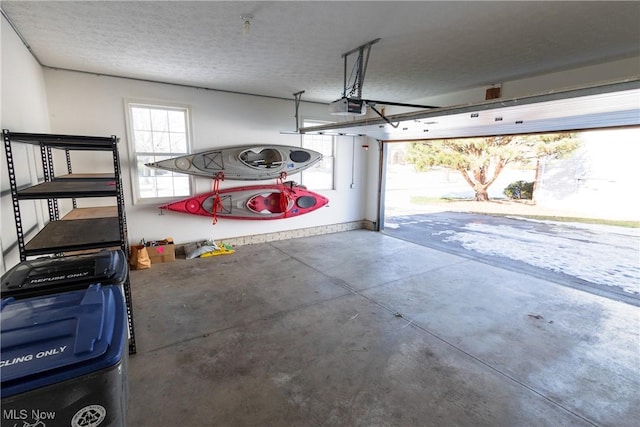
{"x": 80, "y": 234}
{"x": 92, "y": 212}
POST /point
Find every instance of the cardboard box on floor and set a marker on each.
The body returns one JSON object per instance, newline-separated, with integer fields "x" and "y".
{"x": 162, "y": 251}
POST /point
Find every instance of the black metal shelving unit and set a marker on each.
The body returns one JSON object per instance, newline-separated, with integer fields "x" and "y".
{"x": 58, "y": 235}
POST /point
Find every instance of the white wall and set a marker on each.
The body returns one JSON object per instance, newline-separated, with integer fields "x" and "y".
{"x": 94, "y": 105}
{"x": 373, "y": 178}
{"x": 23, "y": 109}
{"x": 583, "y": 76}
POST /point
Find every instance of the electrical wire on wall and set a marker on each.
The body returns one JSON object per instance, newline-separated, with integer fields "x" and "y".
{"x": 353, "y": 162}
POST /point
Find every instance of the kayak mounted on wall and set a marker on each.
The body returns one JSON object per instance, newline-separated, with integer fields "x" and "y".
{"x": 255, "y": 202}
{"x": 247, "y": 162}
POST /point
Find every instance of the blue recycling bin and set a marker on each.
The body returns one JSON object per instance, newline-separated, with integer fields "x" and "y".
{"x": 64, "y": 359}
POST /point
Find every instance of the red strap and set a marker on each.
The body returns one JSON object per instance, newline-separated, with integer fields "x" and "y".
{"x": 284, "y": 193}
{"x": 217, "y": 204}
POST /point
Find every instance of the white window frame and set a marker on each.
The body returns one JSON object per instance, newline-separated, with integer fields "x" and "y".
{"x": 135, "y": 183}
{"x": 325, "y": 159}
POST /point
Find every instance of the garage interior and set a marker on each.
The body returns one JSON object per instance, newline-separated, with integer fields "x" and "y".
{"x": 321, "y": 319}
{"x": 397, "y": 335}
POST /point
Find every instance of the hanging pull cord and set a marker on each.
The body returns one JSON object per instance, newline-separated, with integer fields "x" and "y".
{"x": 217, "y": 204}
{"x": 285, "y": 194}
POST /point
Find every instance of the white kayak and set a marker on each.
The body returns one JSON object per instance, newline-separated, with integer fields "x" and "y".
{"x": 247, "y": 162}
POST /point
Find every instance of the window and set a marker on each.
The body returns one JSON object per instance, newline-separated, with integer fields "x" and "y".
{"x": 157, "y": 133}
{"x": 320, "y": 175}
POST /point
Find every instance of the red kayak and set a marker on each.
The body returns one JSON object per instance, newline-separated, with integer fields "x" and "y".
{"x": 252, "y": 202}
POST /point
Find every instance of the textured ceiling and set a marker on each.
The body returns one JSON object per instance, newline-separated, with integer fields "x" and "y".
{"x": 426, "y": 48}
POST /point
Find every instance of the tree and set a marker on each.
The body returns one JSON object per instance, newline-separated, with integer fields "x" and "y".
{"x": 480, "y": 160}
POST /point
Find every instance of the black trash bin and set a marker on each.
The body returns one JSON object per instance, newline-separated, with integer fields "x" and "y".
{"x": 45, "y": 276}
{"x": 64, "y": 360}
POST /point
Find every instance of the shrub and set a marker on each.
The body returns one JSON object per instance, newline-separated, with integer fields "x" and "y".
{"x": 519, "y": 190}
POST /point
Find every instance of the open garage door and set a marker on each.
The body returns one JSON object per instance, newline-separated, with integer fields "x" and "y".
{"x": 607, "y": 115}
{"x": 589, "y": 174}
{"x": 578, "y": 226}
{"x": 606, "y": 105}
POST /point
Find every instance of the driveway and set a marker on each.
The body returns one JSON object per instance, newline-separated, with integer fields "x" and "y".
{"x": 604, "y": 260}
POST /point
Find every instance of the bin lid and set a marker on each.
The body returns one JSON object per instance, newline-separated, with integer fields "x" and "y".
{"x": 50, "y": 339}
{"x": 51, "y": 275}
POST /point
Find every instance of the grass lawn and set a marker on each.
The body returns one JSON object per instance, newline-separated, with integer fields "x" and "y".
{"x": 521, "y": 208}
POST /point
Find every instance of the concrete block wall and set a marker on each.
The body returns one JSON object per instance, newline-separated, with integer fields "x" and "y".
{"x": 291, "y": 234}
{"x": 295, "y": 234}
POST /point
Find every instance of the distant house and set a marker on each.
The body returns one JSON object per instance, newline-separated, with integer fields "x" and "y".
{"x": 599, "y": 180}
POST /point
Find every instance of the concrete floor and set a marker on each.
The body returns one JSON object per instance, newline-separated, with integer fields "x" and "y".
{"x": 363, "y": 329}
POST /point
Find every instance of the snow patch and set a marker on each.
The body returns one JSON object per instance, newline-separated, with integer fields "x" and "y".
{"x": 606, "y": 263}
